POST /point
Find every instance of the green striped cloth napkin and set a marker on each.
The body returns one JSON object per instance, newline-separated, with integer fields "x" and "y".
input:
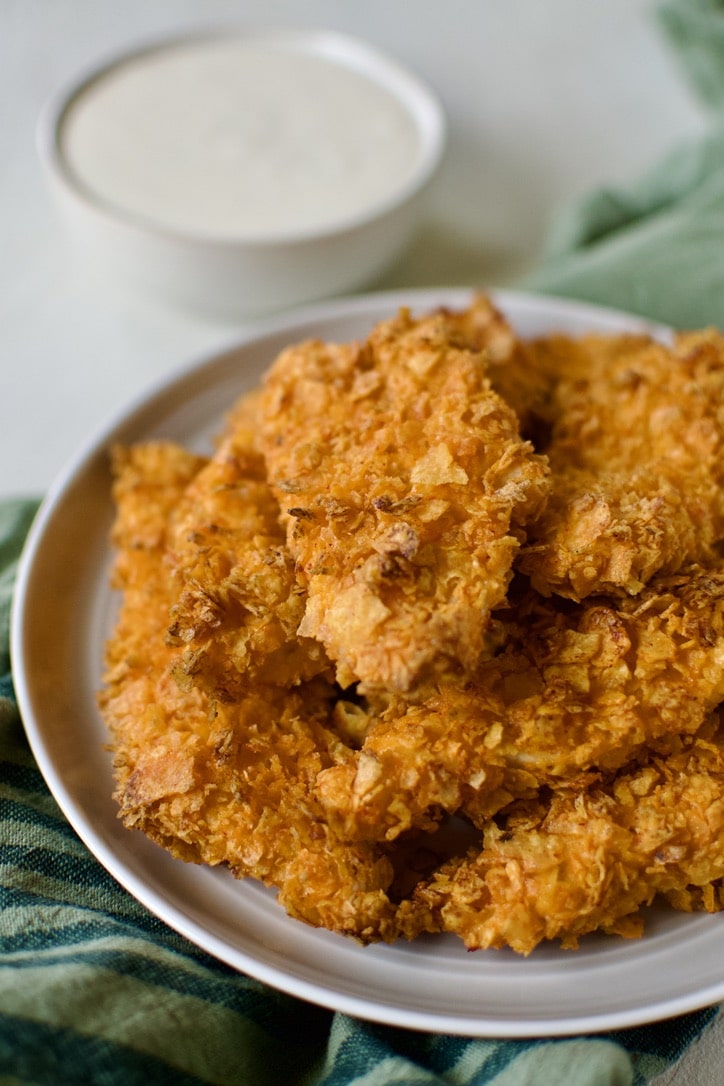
{"x": 93, "y": 988}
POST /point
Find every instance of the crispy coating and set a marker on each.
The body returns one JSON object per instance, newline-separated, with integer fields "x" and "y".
{"x": 708, "y": 898}
{"x": 577, "y": 689}
{"x": 588, "y": 860}
{"x": 147, "y": 482}
{"x": 228, "y": 783}
{"x": 509, "y": 557}
{"x": 524, "y": 382}
{"x": 239, "y": 603}
{"x": 636, "y": 446}
{"x": 405, "y": 487}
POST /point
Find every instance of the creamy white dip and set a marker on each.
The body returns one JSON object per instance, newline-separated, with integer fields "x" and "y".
{"x": 239, "y": 138}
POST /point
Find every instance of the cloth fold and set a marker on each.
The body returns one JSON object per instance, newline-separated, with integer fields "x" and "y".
{"x": 92, "y": 986}
{"x": 656, "y": 248}
{"x": 696, "y": 31}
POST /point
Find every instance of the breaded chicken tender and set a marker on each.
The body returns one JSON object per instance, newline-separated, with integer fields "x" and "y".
{"x": 433, "y": 640}
{"x": 577, "y": 689}
{"x": 239, "y": 603}
{"x": 229, "y": 783}
{"x": 405, "y": 489}
{"x": 636, "y": 450}
{"x": 588, "y": 860}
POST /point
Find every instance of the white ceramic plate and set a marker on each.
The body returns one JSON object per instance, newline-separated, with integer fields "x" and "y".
{"x": 62, "y": 614}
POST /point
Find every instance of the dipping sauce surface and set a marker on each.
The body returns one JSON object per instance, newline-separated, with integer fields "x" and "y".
{"x": 239, "y": 138}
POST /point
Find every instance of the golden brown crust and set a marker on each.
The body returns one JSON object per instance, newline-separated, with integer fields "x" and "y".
{"x": 539, "y": 649}
{"x": 404, "y": 487}
{"x": 223, "y": 783}
{"x": 238, "y": 603}
{"x": 586, "y": 861}
{"x": 575, "y": 691}
{"x": 635, "y": 447}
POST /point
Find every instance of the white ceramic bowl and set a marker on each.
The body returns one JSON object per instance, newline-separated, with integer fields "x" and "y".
{"x": 246, "y": 273}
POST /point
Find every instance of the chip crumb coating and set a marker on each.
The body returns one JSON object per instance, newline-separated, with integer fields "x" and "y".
{"x": 239, "y": 603}
{"x": 576, "y": 691}
{"x": 432, "y": 641}
{"x": 222, "y": 783}
{"x": 636, "y": 447}
{"x": 405, "y": 488}
{"x": 587, "y": 860}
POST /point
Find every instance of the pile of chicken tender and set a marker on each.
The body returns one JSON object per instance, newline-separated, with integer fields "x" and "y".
{"x": 431, "y": 640}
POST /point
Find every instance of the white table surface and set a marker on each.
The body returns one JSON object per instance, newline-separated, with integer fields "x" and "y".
{"x": 544, "y": 101}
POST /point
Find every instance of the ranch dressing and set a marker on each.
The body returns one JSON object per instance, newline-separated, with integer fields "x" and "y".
{"x": 239, "y": 138}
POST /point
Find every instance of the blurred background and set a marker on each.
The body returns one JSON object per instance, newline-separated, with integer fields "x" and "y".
{"x": 544, "y": 101}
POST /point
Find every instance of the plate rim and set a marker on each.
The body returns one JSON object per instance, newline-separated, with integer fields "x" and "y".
{"x": 320, "y": 993}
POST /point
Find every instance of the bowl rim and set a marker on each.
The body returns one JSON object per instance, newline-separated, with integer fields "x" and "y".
{"x": 418, "y": 99}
